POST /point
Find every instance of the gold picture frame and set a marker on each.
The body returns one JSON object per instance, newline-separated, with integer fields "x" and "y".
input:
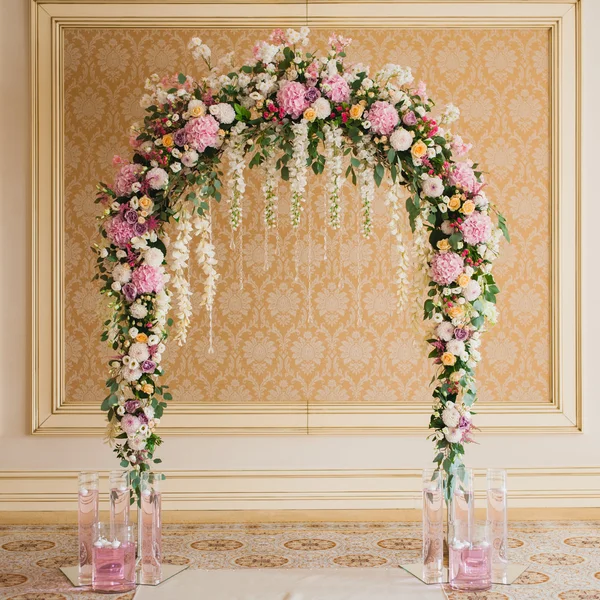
{"x": 52, "y": 416}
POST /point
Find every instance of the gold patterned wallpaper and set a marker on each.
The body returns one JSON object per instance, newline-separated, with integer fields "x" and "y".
{"x": 355, "y": 348}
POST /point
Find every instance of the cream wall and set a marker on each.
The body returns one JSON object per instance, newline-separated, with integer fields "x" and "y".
{"x": 365, "y": 471}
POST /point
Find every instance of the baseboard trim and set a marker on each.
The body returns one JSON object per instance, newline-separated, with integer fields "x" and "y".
{"x": 318, "y": 489}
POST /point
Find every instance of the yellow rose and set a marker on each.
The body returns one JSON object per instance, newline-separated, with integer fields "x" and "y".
{"x": 448, "y": 359}
{"x": 356, "y": 111}
{"x": 443, "y": 245}
{"x": 468, "y": 207}
{"x": 454, "y": 203}
{"x": 419, "y": 149}
{"x": 310, "y": 114}
{"x": 148, "y": 388}
{"x": 141, "y": 337}
{"x": 463, "y": 280}
{"x": 455, "y": 311}
{"x": 167, "y": 140}
{"x": 145, "y": 203}
{"x": 197, "y": 111}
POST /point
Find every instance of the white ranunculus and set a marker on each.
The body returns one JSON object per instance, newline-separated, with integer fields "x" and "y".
{"x": 115, "y": 286}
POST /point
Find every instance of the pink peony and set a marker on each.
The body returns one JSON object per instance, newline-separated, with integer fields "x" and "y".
{"x": 157, "y": 178}
{"x": 147, "y": 279}
{"x": 477, "y": 229}
{"x": 202, "y": 133}
{"x": 463, "y": 176}
{"x": 126, "y": 177}
{"x": 130, "y": 424}
{"x": 119, "y": 231}
{"x": 337, "y": 88}
{"x": 472, "y": 291}
{"x": 446, "y": 267}
{"x": 433, "y": 187}
{"x": 291, "y": 98}
{"x": 383, "y": 117}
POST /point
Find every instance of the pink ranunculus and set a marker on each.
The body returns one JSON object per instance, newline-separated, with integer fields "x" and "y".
{"x": 126, "y": 177}
{"x": 383, "y": 117}
{"x": 337, "y": 88}
{"x": 446, "y": 267}
{"x": 119, "y": 231}
{"x": 202, "y": 133}
{"x": 147, "y": 279}
{"x": 477, "y": 229}
{"x": 463, "y": 176}
{"x": 291, "y": 98}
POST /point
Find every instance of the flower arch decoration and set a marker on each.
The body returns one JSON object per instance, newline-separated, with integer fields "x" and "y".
{"x": 289, "y": 110}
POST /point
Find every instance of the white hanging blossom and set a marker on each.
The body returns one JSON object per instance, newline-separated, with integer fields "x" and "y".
{"x": 334, "y": 158}
{"x": 236, "y": 184}
{"x": 205, "y": 256}
{"x": 180, "y": 255}
{"x": 298, "y": 170}
{"x": 366, "y": 182}
{"x": 269, "y": 189}
{"x": 396, "y": 211}
{"x": 422, "y": 256}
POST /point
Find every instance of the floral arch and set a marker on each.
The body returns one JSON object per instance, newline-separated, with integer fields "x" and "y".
{"x": 287, "y": 111}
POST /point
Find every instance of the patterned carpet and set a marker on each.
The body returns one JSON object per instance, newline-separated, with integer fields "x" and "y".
{"x": 564, "y": 557}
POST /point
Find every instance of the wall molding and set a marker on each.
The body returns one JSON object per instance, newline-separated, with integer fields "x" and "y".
{"x": 359, "y": 489}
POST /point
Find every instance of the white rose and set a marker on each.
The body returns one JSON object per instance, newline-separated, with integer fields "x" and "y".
{"x": 115, "y": 286}
{"x": 103, "y": 253}
{"x": 322, "y": 108}
{"x": 453, "y": 435}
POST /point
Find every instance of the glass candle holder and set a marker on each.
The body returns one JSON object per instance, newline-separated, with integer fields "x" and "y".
{"x": 87, "y": 518}
{"x": 113, "y": 552}
{"x": 120, "y": 496}
{"x": 433, "y": 523}
{"x": 151, "y": 526}
{"x": 498, "y": 519}
{"x": 470, "y": 561}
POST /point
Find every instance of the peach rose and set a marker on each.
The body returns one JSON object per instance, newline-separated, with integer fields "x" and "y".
{"x": 455, "y": 311}
{"x": 468, "y": 207}
{"x": 419, "y": 149}
{"x": 454, "y": 203}
{"x": 443, "y": 245}
{"x": 448, "y": 359}
{"x": 141, "y": 337}
{"x": 145, "y": 203}
{"x": 310, "y": 114}
{"x": 167, "y": 140}
{"x": 356, "y": 111}
{"x": 463, "y": 280}
{"x": 148, "y": 388}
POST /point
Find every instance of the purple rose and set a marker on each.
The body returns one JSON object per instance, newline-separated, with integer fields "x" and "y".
{"x": 464, "y": 423}
{"x": 409, "y": 118}
{"x": 179, "y": 137}
{"x": 130, "y": 292}
{"x": 311, "y": 94}
{"x": 462, "y": 334}
{"x": 131, "y": 216}
{"x": 143, "y": 418}
{"x": 140, "y": 229}
{"x": 148, "y": 366}
{"x": 131, "y": 406}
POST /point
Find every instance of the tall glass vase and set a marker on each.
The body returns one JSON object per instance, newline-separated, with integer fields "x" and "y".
{"x": 433, "y": 523}
{"x": 87, "y": 519}
{"x": 119, "y": 496}
{"x": 497, "y": 517}
{"x": 151, "y": 527}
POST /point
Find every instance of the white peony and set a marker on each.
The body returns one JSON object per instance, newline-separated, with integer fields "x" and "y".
{"x": 472, "y": 291}
{"x": 322, "y": 108}
{"x": 149, "y": 412}
{"x": 223, "y": 112}
{"x": 433, "y": 187}
{"x": 189, "y": 158}
{"x": 401, "y": 140}
{"x": 456, "y": 347}
{"x": 122, "y": 273}
{"x": 453, "y": 435}
{"x": 130, "y": 374}
{"x": 450, "y": 415}
{"x": 445, "y": 331}
{"x": 138, "y": 311}
{"x": 139, "y": 352}
{"x": 153, "y": 257}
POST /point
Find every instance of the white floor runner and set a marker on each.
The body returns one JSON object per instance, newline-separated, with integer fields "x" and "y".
{"x": 292, "y": 584}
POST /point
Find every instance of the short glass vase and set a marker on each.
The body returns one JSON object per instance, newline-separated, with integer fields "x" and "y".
{"x": 470, "y": 560}
{"x": 113, "y": 558}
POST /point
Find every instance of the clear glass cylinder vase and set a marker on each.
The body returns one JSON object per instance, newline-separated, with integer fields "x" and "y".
{"x": 120, "y": 498}
{"x": 151, "y": 527}
{"x": 498, "y": 519}
{"x": 470, "y": 564}
{"x": 87, "y": 518}
{"x": 433, "y": 523}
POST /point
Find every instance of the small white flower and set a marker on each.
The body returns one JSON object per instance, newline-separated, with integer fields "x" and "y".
{"x": 121, "y": 254}
{"x": 133, "y": 332}
{"x": 103, "y": 253}
{"x": 120, "y": 410}
{"x": 153, "y": 340}
{"x": 115, "y": 206}
{"x": 175, "y": 167}
{"x": 136, "y": 187}
{"x": 115, "y": 286}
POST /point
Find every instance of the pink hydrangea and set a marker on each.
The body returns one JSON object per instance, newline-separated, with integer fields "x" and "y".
{"x": 291, "y": 98}
{"x": 202, "y": 133}
{"x": 463, "y": 176}
{"x": 477, "y": 229}
{"x": 337, "y": 89}
{"x": 119, "y": 231}
{"x": 446, "y": 267}
{"x": 147, "y": 279}
{"x": 383, "y": 117}
{"x": 126, "y": 177}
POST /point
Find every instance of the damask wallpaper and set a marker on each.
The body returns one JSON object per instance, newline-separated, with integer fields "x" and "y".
{"x": 330, "y": 332}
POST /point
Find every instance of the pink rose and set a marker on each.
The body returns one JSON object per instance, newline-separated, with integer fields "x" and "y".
{"x": 337, "y": 89}
{"x": 383, "y": 117}
{"x": 291, "y": 98}
{"x": 202, "y": 133}
{"x": 446, "y": 267}
{"x": 147, "y": 279}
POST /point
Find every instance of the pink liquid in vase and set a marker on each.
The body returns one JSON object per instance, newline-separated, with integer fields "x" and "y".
{"x": 470, "y": 567}
{"x": 151, "y": 536}
{"x": 88, "y": 516}
{"x": 114, "y": 568}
